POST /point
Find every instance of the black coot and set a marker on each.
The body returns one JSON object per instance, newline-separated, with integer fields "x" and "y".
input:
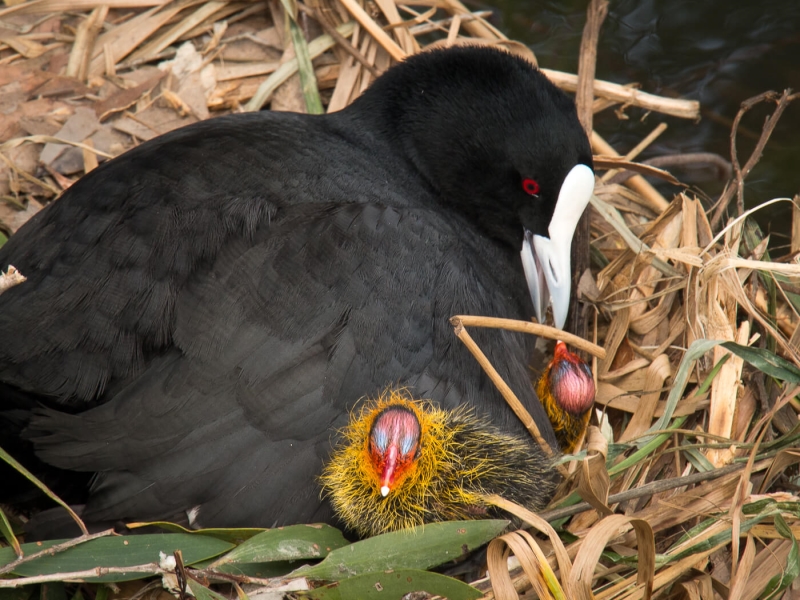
{"x": 202, "y": 312}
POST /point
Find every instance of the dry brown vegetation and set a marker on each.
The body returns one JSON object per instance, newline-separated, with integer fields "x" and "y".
{"x": 692, "y": 466}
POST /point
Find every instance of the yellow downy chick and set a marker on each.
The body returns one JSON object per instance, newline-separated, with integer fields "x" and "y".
{"x": 404, "y": 462}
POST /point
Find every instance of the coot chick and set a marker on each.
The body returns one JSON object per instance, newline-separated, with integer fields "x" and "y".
{"x": 566, "y": 389}
{"x": 403, "y": 462}
{"x": 201, "y": 312}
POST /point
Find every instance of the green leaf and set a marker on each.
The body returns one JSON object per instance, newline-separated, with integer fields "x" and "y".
{"x": 267, "y": 570}
{"x": 766, "y": 362}
{"x": 232, "y": 535}
{"x": 791, "y": 572}
{"x": 714, "y": 540}
{"x": 3, "y": 239}
{"x": 116, "y": 551}
{"x": 695, "y": 351}
{"x": 394, "y": 584}
{"x": 287, "y": 543}
{"x": 698, "y": 460}
{"x": 420, "y": 548}
{"x": 201, "y": 592}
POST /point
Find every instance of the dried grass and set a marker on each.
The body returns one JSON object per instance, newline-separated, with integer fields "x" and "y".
{"x": 704, "y": 445}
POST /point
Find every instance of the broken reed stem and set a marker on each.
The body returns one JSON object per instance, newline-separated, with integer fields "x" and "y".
{"x": 428, "y": 26}
{"x": 151, "y": 568}
{"x": 85, "y": 37}
{"x": 739, "y": 498}
{"x": 534, "y": 329}
{"x": 375, "y": 30}
{"x": 52, "y": 550}
{"x": 649, "y": 489}
{"x": 587, "y": 63}
{"x": 476, "y": 27}
{"x": 795, "y": 240}
{"x": 694, "y": 159}
{"x": 637, "y": 149}
{"x": 9, "y": 279}
{"x": 736, "y": 186}
{"x": 502, "y": 386}
{"x": 655, "y": 200}
{"x": 685, "y": 109}
{"x": 343, "y": 42}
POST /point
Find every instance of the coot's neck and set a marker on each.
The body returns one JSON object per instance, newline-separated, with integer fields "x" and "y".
{"x": 390, "y": 114}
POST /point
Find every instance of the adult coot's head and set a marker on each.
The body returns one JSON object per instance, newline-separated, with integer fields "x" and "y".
{"x": 499, "y": 143}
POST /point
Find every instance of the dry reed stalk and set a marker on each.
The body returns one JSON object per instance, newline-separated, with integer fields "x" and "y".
{"x": 10, "y": 278}
{"x": 83, "y": 46}
{"x": 686, "y": 109}
{"x": 655, "y": 200}
{"x": 638, "y": 148}
{"x": 532, "y": 328}
{"x": 584, "y": 93}
{"x": 510, "y": 397}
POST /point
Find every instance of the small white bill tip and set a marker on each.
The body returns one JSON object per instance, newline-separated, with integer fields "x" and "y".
{"x": 384, "y": 490}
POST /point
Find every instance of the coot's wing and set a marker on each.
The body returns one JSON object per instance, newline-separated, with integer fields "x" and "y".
{"x": 107, "y": 261}
{"x": 274, "y": 344}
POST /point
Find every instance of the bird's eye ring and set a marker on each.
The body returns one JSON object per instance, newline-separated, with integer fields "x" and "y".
{"x": 530, "y": 186}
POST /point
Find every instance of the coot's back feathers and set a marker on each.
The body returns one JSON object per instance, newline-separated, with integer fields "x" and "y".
{"x": 224, "y": 293}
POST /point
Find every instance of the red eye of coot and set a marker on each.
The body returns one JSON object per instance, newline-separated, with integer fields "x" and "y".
{"x": 531, "y": 186}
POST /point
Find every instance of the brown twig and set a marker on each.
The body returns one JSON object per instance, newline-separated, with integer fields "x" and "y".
{"x": 151, "y": 568}
{"x": 10, "y": 567}
{"x": 736, "y": 185}
{"x": 428, "y": 26}
{"x": 532, "y": 328}
{"x": 579, "y": 254}
{"x": 180, "y": 575}
{"x": 637, "y": 183}
{"x": 625, "y": 94}
{"x": 693, "y": 159}
{"x": 343, "y": 42}
{"x": 638, "y": 148}
{"x": 360, "y": 15}
{"x": 656, "y": 487}
{"x": 502, "y": 386}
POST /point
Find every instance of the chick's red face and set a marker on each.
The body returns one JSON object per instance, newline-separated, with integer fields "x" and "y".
{"x": 393, "y": 445}
{"x": 570, "y": 380}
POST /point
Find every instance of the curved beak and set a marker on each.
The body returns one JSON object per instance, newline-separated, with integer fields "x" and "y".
{"x": 546, "y": 260}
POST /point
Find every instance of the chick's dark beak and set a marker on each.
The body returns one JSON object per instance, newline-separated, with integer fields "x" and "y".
{"x": 546, "y": 260}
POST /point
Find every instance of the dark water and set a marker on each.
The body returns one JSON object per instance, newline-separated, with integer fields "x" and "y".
{"x": 719, "y": 52}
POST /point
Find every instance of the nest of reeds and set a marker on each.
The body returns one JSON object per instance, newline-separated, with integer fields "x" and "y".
{"x": 686, "y": 484}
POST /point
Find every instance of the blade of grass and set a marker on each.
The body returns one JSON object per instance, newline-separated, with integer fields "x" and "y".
{"x": 287, "y": 69}
{"x": 35, "y": 481}
{"x": 8, "y": 533}
{"x": 308, "y": 78}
